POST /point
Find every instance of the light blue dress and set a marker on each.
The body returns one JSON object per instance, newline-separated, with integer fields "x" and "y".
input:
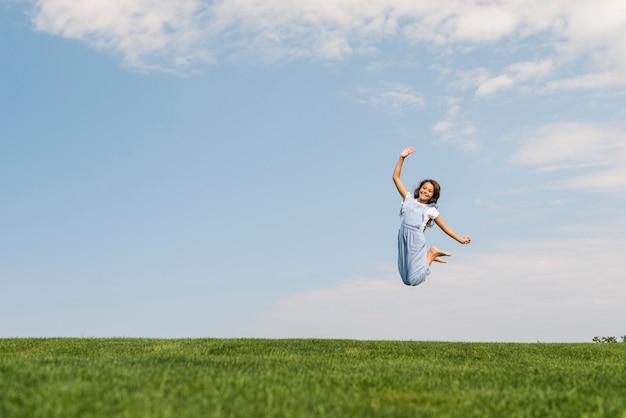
{"x": 412, "y": 263}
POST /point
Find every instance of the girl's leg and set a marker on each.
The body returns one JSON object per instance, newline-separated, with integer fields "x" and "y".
{"x": 435, "y": 254}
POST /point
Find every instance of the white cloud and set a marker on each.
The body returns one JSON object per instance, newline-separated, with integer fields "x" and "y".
{"x": 596, "y": 151}
{"x": 378, "y": 66}
{"x": 531, "y": 69}
{"x": 600, "y": 80}
{"x": 487, "y": 22}
{"x": 466, "y": 79}
{"x": 451, "y": 131}
{"x": 550, "y": 290}
{"x": 442, "y": 127}
{"x": 598, "y": 28}
{"x": 502, "y": 82}
{"x": 514, "y": 74}
{"x": 576, "y": 142}
{"x": 140, "y": 30}
{"x": 453, "y": 106}
{"x": 172, "y": 35}
{"x": 395, "y": 98}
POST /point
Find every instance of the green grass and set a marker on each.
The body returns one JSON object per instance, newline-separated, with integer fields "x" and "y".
{"x": 308, "y": 378}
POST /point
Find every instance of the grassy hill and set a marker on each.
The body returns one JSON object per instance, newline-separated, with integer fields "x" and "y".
{"x": 308, "y": 378}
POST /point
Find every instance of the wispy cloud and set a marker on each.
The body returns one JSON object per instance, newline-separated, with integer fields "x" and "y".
{"x": 514, "y": 74}
{"x": 552, "y": 290}
{"x": 589, "y": 81}
{"x": 594, "y": 155}
{"x": 451, "y": 130}
{"x": 151, "y": 34}
{"x": 395, "y": 98}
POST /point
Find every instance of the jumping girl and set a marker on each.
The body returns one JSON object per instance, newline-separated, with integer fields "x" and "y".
{"x": 419, "y": 210}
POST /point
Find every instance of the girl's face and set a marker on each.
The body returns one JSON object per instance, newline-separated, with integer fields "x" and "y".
{"x": 426, "y": 192}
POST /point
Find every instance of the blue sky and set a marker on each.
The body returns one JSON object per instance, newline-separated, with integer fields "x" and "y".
{"x": 223, "y": 168}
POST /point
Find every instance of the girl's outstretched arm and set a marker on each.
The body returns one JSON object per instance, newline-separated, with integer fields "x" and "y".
{"x": 396, "y": 172}
{"x": 445, "y": 228}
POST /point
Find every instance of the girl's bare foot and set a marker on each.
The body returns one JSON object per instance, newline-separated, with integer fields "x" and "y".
{"x": 435, "y": 253}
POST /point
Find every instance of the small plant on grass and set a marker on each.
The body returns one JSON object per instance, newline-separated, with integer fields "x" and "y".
{"x": 607, "y": 339}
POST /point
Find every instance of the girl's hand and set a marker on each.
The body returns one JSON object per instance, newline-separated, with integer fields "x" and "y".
{"x": 465, "y": 240}
{"x": 405, "y": 152}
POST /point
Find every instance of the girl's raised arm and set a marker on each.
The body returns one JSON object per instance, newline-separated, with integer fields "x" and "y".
{"x": 398, "y": 170}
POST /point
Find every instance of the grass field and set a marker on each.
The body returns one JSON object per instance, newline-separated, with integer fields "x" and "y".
{"x": 308, "y": 378}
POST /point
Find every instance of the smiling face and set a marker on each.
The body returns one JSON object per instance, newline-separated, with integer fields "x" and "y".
{"x": 427, "y": 192}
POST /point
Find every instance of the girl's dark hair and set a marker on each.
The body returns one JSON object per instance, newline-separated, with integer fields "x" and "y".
{"x": 436, "y": 193}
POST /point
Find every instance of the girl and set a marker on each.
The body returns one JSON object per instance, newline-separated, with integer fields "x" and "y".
{"x": 418, "y": 212}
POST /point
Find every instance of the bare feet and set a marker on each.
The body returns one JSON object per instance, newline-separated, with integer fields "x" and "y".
{"x": 435, "y": 254}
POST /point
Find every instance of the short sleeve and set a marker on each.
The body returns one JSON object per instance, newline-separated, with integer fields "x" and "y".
{"x": 432, "y": 212}
{"x": 403, "y": 202}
